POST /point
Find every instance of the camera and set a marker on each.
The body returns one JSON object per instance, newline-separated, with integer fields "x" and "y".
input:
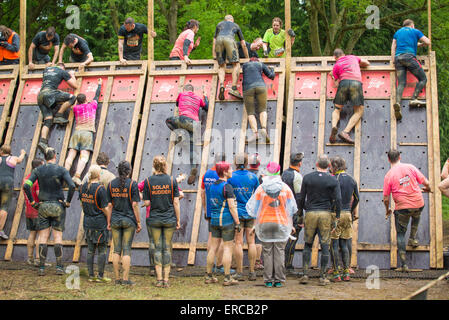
{"x": 2, "y": 37}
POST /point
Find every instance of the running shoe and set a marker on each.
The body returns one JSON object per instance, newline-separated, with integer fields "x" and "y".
{"x": 221, "y": 96}
{"x": 230, "y": 282}
{"x": 59, "y": 270}
{"x": 397, "y": 111}
{"x": 252, "y": 276}
{"x": 210, "y": 279}
{"x": 269, "y": 284}
{"x": 278, "y": 284}
{"x": 235, "y": 93}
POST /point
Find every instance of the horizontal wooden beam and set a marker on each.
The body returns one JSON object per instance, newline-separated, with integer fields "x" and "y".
{"x": 92, "y": 74}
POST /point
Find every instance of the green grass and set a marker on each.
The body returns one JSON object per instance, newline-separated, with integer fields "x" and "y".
{"x": 445, "y": 208}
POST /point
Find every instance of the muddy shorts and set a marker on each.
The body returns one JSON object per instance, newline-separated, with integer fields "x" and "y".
{"x": 317, "y": 222}
{"x": 49, "y": 98}
{"x": 226, "y": 233}
{"x": 247, "y": 223}
{"x": 402, "y": 218}
{"x": 97, "y": 236}
{"x": 82, "y": 140}
{"x": 349, "y": 90}
{"x": 32, "y": 224}
{"x": 252, "y": 95}
{"x": 226, "y": 48}
{"x": 6, "y": 194}
{"x": 344, "y": 226}
{"x": 51, "y": 214}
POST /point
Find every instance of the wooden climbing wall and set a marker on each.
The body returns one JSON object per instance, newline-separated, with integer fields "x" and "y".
{"x": 223, "y": 129}
{"x": 310, "y": 107}
{"x": 8, "y": 78}
{"x": 117, "y": 121}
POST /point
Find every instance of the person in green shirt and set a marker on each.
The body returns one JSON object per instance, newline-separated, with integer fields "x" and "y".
{"x": 274, "y": 38}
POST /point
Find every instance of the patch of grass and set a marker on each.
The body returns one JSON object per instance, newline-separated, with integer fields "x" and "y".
{"x": 445, "y": 208}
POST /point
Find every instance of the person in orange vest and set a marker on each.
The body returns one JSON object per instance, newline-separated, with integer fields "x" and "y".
{"x": 273, "y": 205}
{"x": 9, "y": 46}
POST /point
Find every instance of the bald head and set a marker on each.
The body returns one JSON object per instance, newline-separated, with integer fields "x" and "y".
{"x": 322, "y": 162}
{"x": 229, "y": 18}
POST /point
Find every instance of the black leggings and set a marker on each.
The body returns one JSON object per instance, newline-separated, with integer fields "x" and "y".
{"x": 409, "y": 62}
{"x": 102, "y": 248}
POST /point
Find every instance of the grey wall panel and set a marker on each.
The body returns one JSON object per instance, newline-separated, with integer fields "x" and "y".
{"x": 201, "y": 258}
{"x": 226, "y": 129}
{"x": 375, "y": 143}
{"x": 373, "y": 228}
{"x": 22, "y": 137}
{"x": 116, "y": 132}
{"x": 180, "y": 257}
{"x": 381, "y": 259}
{"x": 203, "y": 234}
{"x": 419, "y": 260}
{"x": 187, "y": 212}
{"x": 345, "y": 114}
{"x": 305, "y": 132}
{"x": 417, "y": 156}
{"x": 157, "y": 137}
{"x": 72, "y": 218}
{"x": 413, "y": 126}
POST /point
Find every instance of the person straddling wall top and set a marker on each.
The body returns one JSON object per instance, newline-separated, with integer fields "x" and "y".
{"x": 293, "y": 178}
{"x": 9, "y": 46}
{"x": 162, "y": 194}
{"x": 273, "y": 205}
{"x": 31, "y": 215}
{"x": 189, "y": 105}
{"x": 347, "y": 73}
{"x": 96, "y": 223}
{"x": 244, "y": 184}
{"x": 51, "y": 205}
{"x": 403, "y": 55}
{"x": 80, "y": 52}
{"x": 320, "y": 195}
{"x": 341, "y": 236}
{"x": 224, "y": 222}
{"x": 274, "y": 40}
{"x": 402, "y": 182}
{"x": 254, "y": 89}
{"x": 82, "y": 139}
{"x": 252, "y": 48}
{"x": 130, "y": 38}
{"x": 50, "y": 97}
{"x": 123, "y": 194}
{"x": 224, "y": 48}
{"x": 7, "y": 166}
{"x": 40, "y": 47}
{"x": 186, "y": 43}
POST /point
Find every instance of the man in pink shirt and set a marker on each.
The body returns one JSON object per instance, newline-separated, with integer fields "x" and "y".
{"x": 82, "y": 139}
{"x": 185, "y": 43}
{"x": 189, "y": 105}
{"x": 402, "y": 181}
{"x": 346, "y": 73}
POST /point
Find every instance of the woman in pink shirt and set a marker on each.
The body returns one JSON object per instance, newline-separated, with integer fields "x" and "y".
{"x": 185, "y": 43}
{"x": 83, "y": 138}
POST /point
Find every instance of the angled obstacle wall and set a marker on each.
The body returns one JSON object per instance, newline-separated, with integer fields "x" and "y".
{"x": 308, "y": 127}
{"x": 117, "y": 119}
{"x": 8, "y": 78}
{"x": 223, "y": 130}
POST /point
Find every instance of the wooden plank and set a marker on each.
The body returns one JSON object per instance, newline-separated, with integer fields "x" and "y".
{"x": 23, "y": 34}
{"x": 96, "y": 151}
{"x": 9, "y": 99}
{"x": 423, "y": 144}
{"x": 94, "y": 73}
{"x": 279, "y": 117}
{"x": 436, "y": 163}
{"x": 320, "y": 150}
{"x": 393, "y": 143}
{"x": 289, "y": 121}
{"x": 329, "y": 69}
{"x": 422, "y": 290}
{"x": 204, "y": 160}
{"x": 355, "y": 224}
{"x": 371, "y": 190}
{"x": 150, "y": 9}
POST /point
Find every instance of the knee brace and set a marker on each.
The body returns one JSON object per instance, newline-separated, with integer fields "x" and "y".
{"x": 42, "y": 254}
{"x": 58, "y": 254}
{"x": 48, "y": 123}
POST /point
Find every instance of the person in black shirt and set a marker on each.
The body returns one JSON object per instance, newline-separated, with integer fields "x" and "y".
{"x": 123, "y": 193}
{"x": 251, "y": 47}
{"x": 51, "y": 205}
{"x": 320, "y": 194}
{"x": 293, "y": 179}
{"x": 224, "y": 47}
{"x": 50, "y": 97}
{"x": 97, "y": 222}
{"x": 130, "y": 38}
{"x": 40, "y": 47}
{"x": 254, "y": 89}
{"x": 162, "y": 194}
{"x": 341, "y": 236}
{"x": 80, "y": 50}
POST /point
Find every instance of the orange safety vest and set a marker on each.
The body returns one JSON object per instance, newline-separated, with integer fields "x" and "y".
{"x": 9, "y": 55}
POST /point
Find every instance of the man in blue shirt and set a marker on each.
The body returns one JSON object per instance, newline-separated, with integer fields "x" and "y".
{"x": 403, "y": 54}
{"x": 245, "y": 184}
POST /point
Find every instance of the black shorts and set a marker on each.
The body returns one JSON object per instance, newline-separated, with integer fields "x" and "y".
{"x": 49, "y": 98}
{"x": 349, "y": 90}
{"x": 32, "y": 224}
{"x": 51, "y": 214}
{"x": 226, "y": 233}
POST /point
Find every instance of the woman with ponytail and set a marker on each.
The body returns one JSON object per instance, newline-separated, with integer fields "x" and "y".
{"x": 123, "y": 194}
{"x": 185, "y": 43}
{"x": 97, "y": 219}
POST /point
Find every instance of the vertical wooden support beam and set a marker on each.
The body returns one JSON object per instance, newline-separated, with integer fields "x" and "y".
{"x": 355, "y": 224}
{"x": 288, "y": 45}
{"x": 204, "y": 160}
{"x": 393, "y": 144}
{"x": 321, "y": 127}
{"x": 279, "y": 117}
{"x": 98, "y": 140}
{"x": 289, "y": 125}
{"x": 23, "y": 34}
{"x": 150, "y": 29}
{"x": 8, "y": 101}
{"x": 429, "y": 23}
